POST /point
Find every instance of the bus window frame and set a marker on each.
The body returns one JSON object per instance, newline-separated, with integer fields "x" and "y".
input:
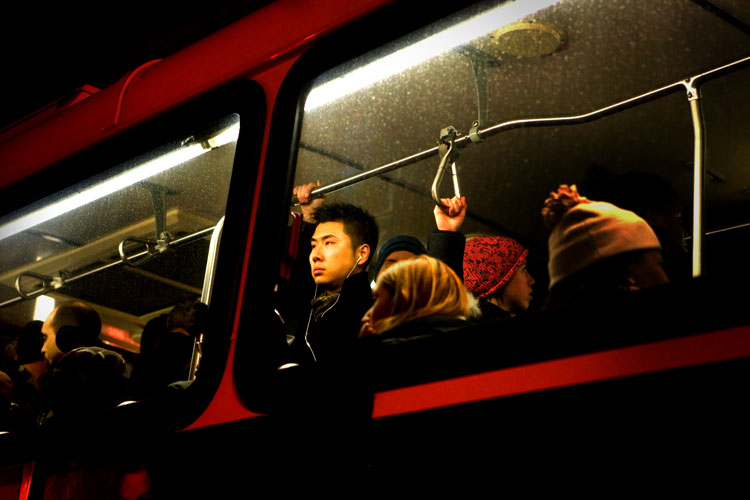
{"x": 254, "y": 347}
{"x": 243, "y": 97}
{"x": 255, "y": 379}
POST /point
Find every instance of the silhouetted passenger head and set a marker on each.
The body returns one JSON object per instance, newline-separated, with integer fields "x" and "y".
{"x": 398, "y": 248}
{"x": 655, "y": 200}
{"x": 345, "y": 239}
{"x": 152, "y": 332}
{"x": 30, "y": 342}
{"x": 88, "y": 379}
{"x": 495, "y": 270}
{"x": 186, "y": 316}
{"x": 414, "y": 288}
{"x": 70, "y": 325}
{"x": 597, "y": 247}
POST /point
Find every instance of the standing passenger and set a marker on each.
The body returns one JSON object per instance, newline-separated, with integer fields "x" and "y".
{"x": 495, "y": 271}
{"x": 596, "y": 248}
{"x": 342, "y": 244}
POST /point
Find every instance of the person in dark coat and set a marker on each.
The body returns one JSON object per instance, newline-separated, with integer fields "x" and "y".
{"x": 342, "y": 243}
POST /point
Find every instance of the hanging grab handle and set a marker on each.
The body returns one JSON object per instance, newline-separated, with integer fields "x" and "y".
{"x": 448, "y": 156}
{"x": 46, "y": 284}
{"x": 150, "y": 249}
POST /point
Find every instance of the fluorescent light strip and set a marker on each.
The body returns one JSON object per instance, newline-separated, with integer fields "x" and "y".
{"x": 423, "y": 50}
{"x": 142, "y": 172}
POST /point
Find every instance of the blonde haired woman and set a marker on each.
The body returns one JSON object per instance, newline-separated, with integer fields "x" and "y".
{"x": 423, "y": 292}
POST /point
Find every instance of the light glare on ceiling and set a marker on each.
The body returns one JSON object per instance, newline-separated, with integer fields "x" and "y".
{"x": 132, "y": 176}
{"x": 423, "y": 50}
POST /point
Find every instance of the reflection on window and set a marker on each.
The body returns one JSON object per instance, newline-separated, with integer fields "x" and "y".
{"x": 131, "y": 243}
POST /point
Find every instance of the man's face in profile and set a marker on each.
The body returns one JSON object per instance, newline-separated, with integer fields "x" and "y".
{"x": 332, "y": 257}
{"x": 50, "y": 350}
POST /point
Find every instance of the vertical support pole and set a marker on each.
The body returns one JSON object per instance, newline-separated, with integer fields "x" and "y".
{"x": 699, "y": 173}
{"x": 208, "y": 283}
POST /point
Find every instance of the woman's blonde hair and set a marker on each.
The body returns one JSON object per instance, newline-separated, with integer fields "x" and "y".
{"x": 422, "y": 286}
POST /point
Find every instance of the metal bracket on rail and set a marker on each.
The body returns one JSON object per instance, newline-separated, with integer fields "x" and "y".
{"x": 480, "y": 64}
{"x": 150, "y": 249}
{"x": 448, "y": 156}
{"x": 48, "y": 283}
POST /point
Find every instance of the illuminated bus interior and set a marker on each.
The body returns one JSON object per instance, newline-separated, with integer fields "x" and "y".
{"x": 131, "y": 242}
{"x": 536, "y": 60}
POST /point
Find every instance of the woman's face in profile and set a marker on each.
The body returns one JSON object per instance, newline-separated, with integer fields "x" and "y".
{"x": 380, "y": 309}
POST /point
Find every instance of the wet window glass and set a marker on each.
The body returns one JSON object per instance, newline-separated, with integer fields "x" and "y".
{"x": 131, "y": 242}
{"x": 498, "y": 62}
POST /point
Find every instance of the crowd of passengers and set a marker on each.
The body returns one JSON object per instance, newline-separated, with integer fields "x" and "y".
{"x": 596, "y": 248}
{"x": 330, "y": 308}
{"x": 59, "y": 368}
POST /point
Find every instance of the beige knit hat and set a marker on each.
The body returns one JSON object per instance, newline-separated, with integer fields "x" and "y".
{"x": 585, "y": 232}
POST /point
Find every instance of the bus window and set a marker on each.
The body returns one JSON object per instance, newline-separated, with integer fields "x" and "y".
{"x": 131, "y": 243}
{"x": 500, "y": 73}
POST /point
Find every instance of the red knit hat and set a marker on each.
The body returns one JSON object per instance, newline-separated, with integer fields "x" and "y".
{"x": 489, "y": 263}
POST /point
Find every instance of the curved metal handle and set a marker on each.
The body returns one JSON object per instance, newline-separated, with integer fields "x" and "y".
{"x": 149, "y": 252}
{"x": 449, "y": 155}
{"x": 152, "y": 248}
{"x": 48, "y": 284}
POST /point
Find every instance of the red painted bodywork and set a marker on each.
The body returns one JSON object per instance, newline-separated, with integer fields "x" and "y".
{"x": 606, "y": 365}
{"x": 255, "y": 48}
{"x": 244, "y": 49}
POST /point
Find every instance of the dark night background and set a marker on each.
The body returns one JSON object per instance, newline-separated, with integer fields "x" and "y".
{"x": 49, "y": 50}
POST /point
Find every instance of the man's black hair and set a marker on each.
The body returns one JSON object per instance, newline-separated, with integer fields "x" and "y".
{"x": 359, "y": 225}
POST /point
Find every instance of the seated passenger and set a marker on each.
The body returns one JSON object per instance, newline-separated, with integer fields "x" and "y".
{"x": 167, "y": 346}
{"x": 596, "y": 248}
{"x": 495, "y": 271}
{"x": 415, "y": 297}
{"x": 342, "y": 245}
{"x": 30, "y": 379}
{"x": 69, "y": 327}
{"x": 88, "y": 379}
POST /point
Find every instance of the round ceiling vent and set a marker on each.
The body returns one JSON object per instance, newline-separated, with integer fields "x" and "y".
{"x": 529, "y": 39}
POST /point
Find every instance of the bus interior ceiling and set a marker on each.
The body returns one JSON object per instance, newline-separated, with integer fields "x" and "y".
{"x": 602, "y": 53}
{"x": 582, "y": 56}
{"x": 83, "y": 248}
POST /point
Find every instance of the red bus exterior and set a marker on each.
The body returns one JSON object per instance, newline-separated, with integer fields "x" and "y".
{"x": 264, "y": 48}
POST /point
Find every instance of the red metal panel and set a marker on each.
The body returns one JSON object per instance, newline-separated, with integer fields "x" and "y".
{"x": 226, "y": 405}
{"x": 665, "y": 355}
{"x": 249, "y": 45}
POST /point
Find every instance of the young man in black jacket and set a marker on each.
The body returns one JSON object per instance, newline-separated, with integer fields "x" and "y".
{"x": 342, "y": 239}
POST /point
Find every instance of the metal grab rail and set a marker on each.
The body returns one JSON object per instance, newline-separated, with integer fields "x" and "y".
{"x": 449, "y": 155}
{"x": 691, "y": 85}
{"x": 50, "y": 283}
